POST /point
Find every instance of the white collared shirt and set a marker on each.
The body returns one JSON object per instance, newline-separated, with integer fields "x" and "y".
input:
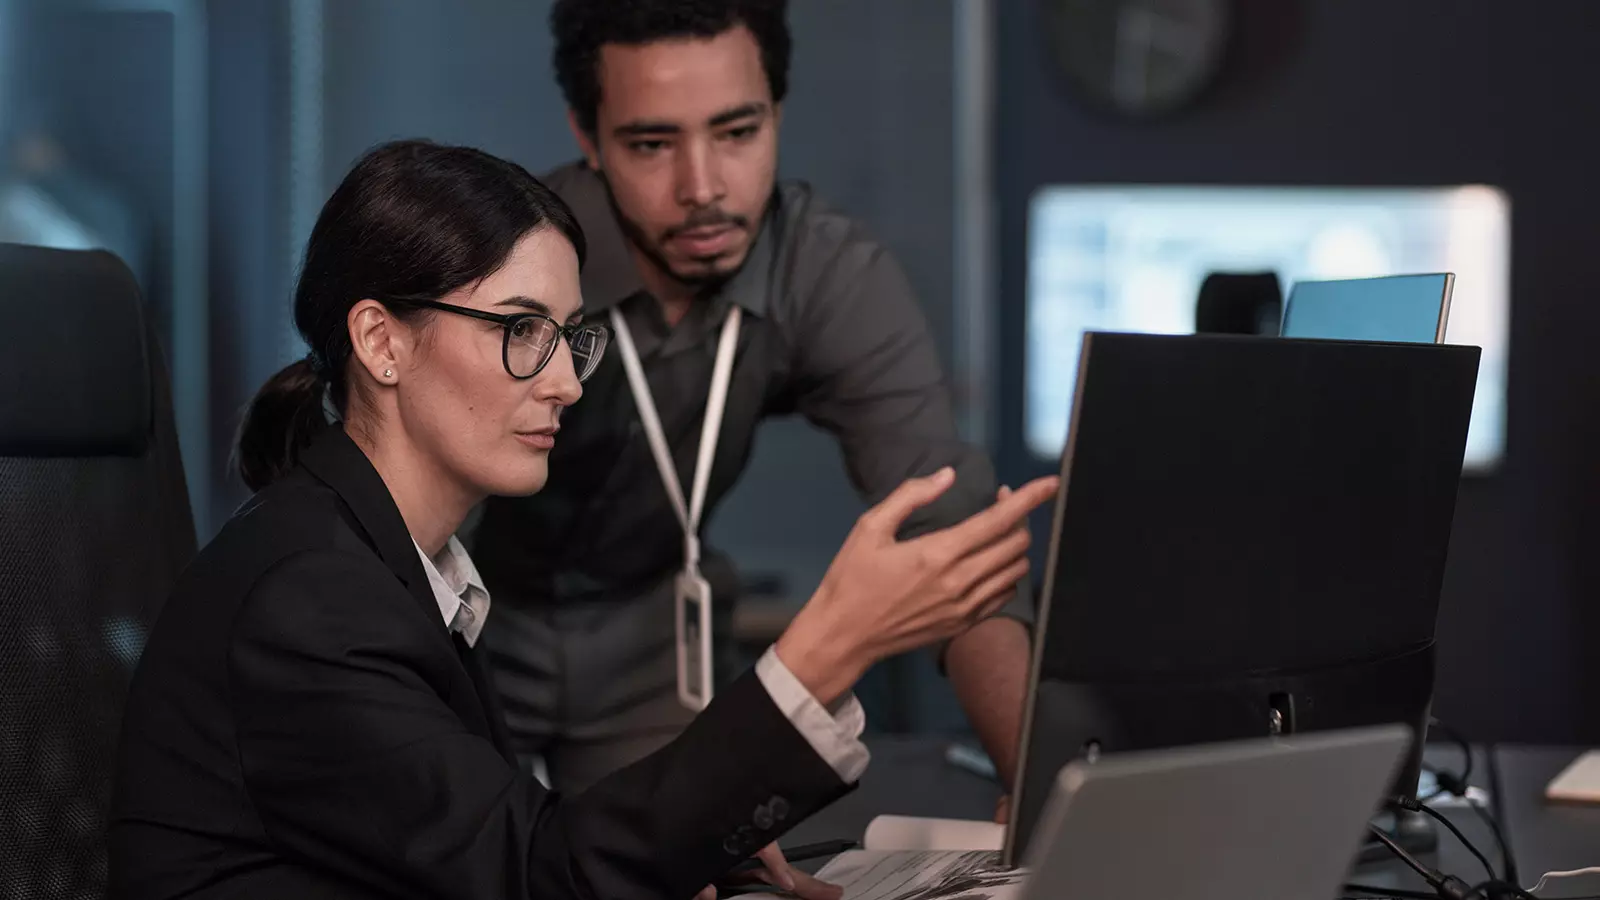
{"x": 458, "y": 589}
{"x": 835, "y": 735}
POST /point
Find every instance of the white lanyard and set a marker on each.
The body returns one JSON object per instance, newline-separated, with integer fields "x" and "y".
{"x": 691, "y": 593}
{"x": 721, "y": 372}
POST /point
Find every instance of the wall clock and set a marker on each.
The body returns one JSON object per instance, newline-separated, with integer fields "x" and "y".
{"x": 1137, "y": 58}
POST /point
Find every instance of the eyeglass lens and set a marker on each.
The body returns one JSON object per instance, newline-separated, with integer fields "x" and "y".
{"x": 532, "y": 341}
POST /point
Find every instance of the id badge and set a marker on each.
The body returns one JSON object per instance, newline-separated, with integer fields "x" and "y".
{"x": 692, "y": 605}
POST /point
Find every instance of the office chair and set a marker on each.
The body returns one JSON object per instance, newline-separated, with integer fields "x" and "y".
{"x": 1239, "y": 303}
{"x": 94, "y": 527}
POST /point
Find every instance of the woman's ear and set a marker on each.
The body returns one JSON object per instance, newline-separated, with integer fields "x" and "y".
{"x": 377, "y": 340}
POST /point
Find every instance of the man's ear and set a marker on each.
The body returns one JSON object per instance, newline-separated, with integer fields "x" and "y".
{"x": 586, "y": 141}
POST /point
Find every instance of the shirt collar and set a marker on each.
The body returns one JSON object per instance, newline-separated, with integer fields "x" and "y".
{"x": 609, "y": 275}
{"x": 458, "y": 589}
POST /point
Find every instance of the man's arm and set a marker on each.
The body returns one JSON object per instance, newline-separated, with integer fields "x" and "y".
{"x": 869, "y": 373}
{"x": 356, "y": 765}
{"x": 992, "y": 687}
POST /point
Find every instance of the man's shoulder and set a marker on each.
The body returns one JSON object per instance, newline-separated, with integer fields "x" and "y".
{"x": 581, "y": 189}
{"x": 813, "y": 226}
{"x": 567, "y": 176}
{"x": 821, "y": 245}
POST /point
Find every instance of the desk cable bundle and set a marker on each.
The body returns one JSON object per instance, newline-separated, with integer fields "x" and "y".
{"x": 1502, "y": 886}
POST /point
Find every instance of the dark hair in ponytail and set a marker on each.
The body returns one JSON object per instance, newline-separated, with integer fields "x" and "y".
{"x": 413, "y": 220}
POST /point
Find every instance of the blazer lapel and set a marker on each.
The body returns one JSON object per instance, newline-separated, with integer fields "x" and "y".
{"x": 481, "y": 679}
{"x": 334, "y": 459}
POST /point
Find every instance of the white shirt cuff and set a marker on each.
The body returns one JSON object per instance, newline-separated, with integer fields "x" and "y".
{"x": 835, "y": 735}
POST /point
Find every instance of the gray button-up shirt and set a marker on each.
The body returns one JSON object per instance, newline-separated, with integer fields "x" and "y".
{"x": 831, "y": 330}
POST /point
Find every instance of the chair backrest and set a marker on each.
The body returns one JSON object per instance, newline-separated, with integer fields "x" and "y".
{"x": 1239, "y": 303}
{"x": 95, "y": 526}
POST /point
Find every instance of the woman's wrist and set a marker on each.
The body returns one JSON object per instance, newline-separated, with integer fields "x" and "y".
{"x": 827, "y": 660}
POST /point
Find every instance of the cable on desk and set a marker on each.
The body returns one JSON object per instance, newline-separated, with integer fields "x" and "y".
{"x": 1508, "y": 866}
{"x": 1449, "y": 887}
{"x": 1497, "y": 817}
{"x": 1457, "y": 786}
{"x": 1380, "y": 893}
{"x": 1499, "y": 890}
{"x": 1412, "y": 805}
{"x": 1452, "y": 782}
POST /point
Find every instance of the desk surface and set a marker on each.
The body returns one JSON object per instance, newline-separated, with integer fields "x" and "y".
{"x": 1544, "y": 836}
{"x": 909, "y": 776}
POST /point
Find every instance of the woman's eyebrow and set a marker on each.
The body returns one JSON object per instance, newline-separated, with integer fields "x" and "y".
{"x": 527, "y": 303}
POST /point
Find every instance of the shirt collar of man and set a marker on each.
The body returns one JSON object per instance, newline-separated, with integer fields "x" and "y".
{"x": 458, "y": 589}
{"x": 609, "y": 274}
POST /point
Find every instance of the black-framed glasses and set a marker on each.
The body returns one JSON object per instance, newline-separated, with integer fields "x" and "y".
{"x": 530, "y": 339}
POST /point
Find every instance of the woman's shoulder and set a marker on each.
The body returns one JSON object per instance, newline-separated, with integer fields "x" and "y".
{"x": 289, "y": 554}
{"x": 295, "y": 510}
{"x": 292, "y": 519}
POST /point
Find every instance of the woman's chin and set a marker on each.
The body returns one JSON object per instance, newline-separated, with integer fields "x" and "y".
{"x": 520, "y": 480}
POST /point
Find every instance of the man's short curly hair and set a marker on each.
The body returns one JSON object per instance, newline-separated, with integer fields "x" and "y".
{"x": 582, "y": 27}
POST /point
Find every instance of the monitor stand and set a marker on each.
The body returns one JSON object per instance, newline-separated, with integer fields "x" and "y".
{"x": 1413, "y": 831}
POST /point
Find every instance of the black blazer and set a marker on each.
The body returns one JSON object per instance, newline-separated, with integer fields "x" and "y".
{"x": 302, "y": 724}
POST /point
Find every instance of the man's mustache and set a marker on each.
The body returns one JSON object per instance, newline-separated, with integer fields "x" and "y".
{"x": 707, "y": 218}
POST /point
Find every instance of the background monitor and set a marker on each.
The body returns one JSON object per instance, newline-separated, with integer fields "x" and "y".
{"x": 1250, "y": 537}
{"x": 1135, "y": 258}
{"x": 1411, "y": 308}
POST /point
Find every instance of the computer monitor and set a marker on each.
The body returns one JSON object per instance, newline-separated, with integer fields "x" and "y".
{"x": 1409, "y": 308}
{"x": 1250, "y": 539}
{"x": 1134, "y": 257}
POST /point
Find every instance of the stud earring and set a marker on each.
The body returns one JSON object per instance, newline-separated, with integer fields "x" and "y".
{"x": 388, "y": 373}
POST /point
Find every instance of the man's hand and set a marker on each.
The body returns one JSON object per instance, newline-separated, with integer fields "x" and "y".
{"x": 1002, "y": 810}
{"x": 778, "y": 873}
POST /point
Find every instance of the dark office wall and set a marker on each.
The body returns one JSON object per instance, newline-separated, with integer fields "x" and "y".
{"x": 1373, "y": 92}
{"x": 119, "y": 64}
{"x": 250, "y": 283}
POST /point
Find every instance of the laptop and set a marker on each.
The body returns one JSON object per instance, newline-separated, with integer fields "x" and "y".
{"x": 1404, "y": 308}
{"x": 1264, "y": 819}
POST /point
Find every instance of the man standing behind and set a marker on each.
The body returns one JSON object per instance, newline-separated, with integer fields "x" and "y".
{"x": 676, "y": 105}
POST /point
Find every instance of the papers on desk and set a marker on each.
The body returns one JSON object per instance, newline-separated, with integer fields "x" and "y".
{"x": 1579, "y": 782}
{"x": 914, "y": 858}
{"x": 921, "y": 833}
{"x": 921, "y": 875}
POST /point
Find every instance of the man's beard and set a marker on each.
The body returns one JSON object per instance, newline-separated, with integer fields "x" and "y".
{"x": 699, "y": 282}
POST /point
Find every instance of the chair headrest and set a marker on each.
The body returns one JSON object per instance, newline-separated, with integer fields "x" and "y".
{"x": 75, "y": 375}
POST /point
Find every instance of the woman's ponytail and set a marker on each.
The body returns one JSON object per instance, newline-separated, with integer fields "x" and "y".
{"x": 283, "y": 417}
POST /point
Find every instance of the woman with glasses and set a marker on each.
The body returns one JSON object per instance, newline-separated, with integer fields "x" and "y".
{"x": 310, "y": 716}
